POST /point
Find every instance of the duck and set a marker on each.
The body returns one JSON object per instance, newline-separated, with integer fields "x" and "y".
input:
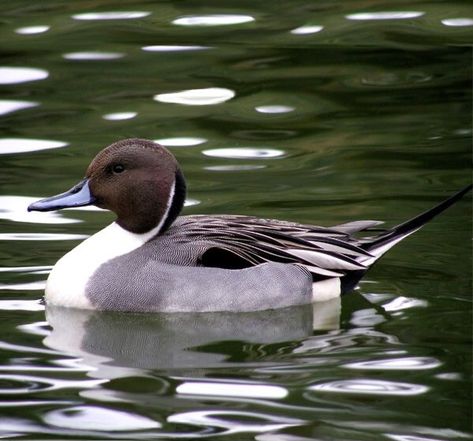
{"x": 150, "y": 259}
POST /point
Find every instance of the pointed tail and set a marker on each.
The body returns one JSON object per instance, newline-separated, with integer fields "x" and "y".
{"x": 382, "y": 243}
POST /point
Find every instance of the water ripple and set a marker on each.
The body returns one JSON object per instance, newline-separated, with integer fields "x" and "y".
{"x": 32, "y": 30}
{"x": 449, "y": 376}
{"x": 9, "y": 106}
{"x": 305, "y": 30}
{"x": 235, "y": 421}
{"x": 28, "y": 384}
{"x": 400, "y": 15}
{"x": 400, "y": 303}
{"x": 174, "y": 48}
{"x": 28, "y": 403}
{"x": 458, "y": 22}
{"x": 181, "y": 141}
{"x": 98, "y": 418}
{"x": 25, "y": 269}
{"x": 37, "y": 328}
{"x": 366, "y": 317}
{"x": 14, "y": 208}
{"x": 25, "y": 145}
{"x": 213, "y": 20}
{"x": 410, "y": 437}
{"x": 191, "y": 202}
{"x": 235, "y": 167}
{"x": 370, "y": 387}
{"x": 119, "y": 116}
{"x": 274, "y": 109}
{"x": 23, "y": 349}
{"x": 16, "y": 75}
{"x": 21, "y": 305}
{"x": 244, "y": 153}
{"x": 112, "y": 15}
{"x": 197, "y": 97}
{"x": 405, "y": 363}
{"x": 93, "y": 56}
{"x": 41, "y": 236}
{"x": 232, "y": 390}
{"x": 32, "y": 286}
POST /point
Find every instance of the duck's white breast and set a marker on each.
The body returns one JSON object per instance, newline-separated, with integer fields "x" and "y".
{"x": 66, "y": 285}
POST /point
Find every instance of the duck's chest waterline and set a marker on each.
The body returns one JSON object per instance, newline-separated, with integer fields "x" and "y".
{"x": 68, "y": 280}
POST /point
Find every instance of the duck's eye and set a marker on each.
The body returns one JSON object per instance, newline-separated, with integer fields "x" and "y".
{"x": 118, "y": 168}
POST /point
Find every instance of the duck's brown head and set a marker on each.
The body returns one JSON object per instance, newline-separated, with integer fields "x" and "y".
{"x": 137, "y": 179}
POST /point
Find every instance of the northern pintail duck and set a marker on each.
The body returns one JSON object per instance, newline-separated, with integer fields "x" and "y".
{"x": 150, "y": 259}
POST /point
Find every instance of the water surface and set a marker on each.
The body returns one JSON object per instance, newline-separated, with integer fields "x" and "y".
{"x": 320, "y": 112}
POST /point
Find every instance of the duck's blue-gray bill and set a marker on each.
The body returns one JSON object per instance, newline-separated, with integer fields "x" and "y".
{"x": 77, "y": 196}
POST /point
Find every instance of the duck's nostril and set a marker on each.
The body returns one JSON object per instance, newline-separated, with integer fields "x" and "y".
{"x": 77, "y": 187}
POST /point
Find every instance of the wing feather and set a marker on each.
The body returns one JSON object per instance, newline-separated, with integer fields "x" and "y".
{"x": 325, "y": 252}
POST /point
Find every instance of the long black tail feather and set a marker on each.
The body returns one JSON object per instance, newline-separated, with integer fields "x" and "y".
{"x": 402, "y": 230}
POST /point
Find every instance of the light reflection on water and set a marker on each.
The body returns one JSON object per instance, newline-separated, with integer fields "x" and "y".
{"x": 274, "y": 109}
{"x": 16, "y": 75}
{"x": 213, "y": 20}
{"x": 385, "y": 15}
{"x": 231, "y": 390}
{"x": 8, "y": 106}
{"x": 370, "y": 387}
{"x": 112, "y": 15}
{"x": 458, "y": 22}
{"x": 197, "y": 97}
{"x": 97, "y": 418}
{"x": 120, "y": 116}
{"x": 244, "y": 153}
{"x": 93, "y": 56}
{"x": 181, "y": 141}
{"x": 20, "y": 145}
{"x": 31, "y": 30}
{"x": 174, "y": 48}
{"x": 403, "y": 363}
{"x": 305, "y": 30}
{"x": 227, "y": 421}
{"x": 296, "y": 113}
{"x": 105, "y": 361}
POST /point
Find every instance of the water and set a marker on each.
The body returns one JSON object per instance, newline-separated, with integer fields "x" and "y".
{"x": 317, "y": 112}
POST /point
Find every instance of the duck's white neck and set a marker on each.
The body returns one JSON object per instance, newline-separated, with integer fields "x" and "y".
{"x": 66, "y": 285}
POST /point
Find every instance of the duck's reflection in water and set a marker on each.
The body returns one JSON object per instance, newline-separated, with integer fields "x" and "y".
{"x": 112, "y": 344}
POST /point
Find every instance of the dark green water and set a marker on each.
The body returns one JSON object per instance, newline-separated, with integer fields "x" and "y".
{"x": 320, "y": 112}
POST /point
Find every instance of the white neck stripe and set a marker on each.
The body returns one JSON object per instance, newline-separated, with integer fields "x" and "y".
{"x": 157, "y": 229}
